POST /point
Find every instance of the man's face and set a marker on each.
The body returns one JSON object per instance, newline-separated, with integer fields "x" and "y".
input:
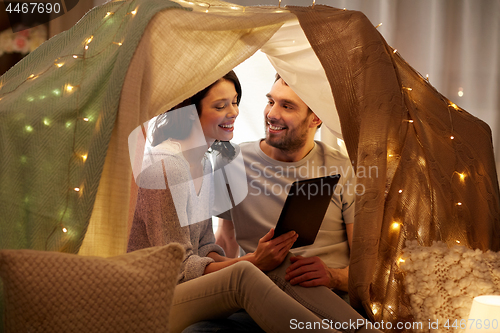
{"x": 287, "y": 118}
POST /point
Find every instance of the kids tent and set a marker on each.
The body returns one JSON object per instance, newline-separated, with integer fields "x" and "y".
{"x": 67, "y": 109}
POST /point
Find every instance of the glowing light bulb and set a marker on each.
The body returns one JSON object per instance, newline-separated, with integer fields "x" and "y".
{"x": 75, "y": 56}
{"x": 60, "y": 65}
{"x": 86, "y": 47}
{"x": 453, "y": 105}
{"x": 379, "y": 25}
{"x": 452, "y": 137}
{"x": 395, "y": 226}
{"x": 459, "y": 204}
{"x": 395, "y": 50}
{"x": 85, "y": 119}
{"x": 28, "y": 128}
{"x": 462, "y": 176}
{"x": 410, "y": 121}
{"x": 401, "y": 260}
{"x": 427, "y": 77}
{"x": 133, "y": 12}
{"x": 400, "y": 191}
{"x": 68, "y": 124}
{"x": 46, "y": 121}
{"x": 77, "y": 189}
{"x": 31, "y": 76}
{"x": 458, "y": 242}
{"x": 84, "y": 157}
{"x": 90, "y": 39}
{"x": 108, "y": 14}
{"x": 64, "y": 230}
{"x": 69, "y": 88}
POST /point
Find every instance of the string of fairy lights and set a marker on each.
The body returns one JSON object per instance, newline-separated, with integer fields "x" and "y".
{"x": 69, "y": 89}
{"x": 395, "y": 228}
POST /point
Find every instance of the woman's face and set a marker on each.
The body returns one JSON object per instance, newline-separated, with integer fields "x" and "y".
{"x": 218, "y": 111}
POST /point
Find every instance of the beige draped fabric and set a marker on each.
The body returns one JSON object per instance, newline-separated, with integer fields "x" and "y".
{"x": 436, "y": 176}
{"x": 180, "y": 53}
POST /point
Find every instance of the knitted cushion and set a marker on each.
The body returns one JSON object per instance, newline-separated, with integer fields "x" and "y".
{"x": 441, "y": 283}
{"x": 59, "y": 292}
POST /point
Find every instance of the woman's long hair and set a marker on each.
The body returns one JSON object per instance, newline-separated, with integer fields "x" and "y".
{"x": 178, "y": 125}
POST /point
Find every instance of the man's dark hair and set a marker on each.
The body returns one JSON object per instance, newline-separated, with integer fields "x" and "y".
{"x": 309, "y": 111}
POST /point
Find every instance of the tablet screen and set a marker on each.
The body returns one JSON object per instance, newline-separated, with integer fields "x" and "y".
{"x": 305, "y": 207}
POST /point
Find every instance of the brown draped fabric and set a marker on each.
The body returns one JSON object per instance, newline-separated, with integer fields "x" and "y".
{"x": 425, "y": 166}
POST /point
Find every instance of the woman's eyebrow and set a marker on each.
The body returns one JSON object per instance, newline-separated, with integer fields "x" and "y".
{"x": 221, "y": 100}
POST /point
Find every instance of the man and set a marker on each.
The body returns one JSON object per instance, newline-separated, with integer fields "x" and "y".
{"x": 289, "y": 153}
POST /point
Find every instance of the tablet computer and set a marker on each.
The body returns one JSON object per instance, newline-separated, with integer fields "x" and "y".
{"x": 305, "y": 207}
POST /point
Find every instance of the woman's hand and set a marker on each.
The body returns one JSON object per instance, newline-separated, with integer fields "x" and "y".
{"x": 270, "y": 253}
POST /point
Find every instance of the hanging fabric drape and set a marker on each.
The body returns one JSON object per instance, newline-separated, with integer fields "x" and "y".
{"x": 167, "y": 68}
{"x": 435, "y": 171}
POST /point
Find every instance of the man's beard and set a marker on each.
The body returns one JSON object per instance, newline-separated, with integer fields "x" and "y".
{"x": 293, "y": 140}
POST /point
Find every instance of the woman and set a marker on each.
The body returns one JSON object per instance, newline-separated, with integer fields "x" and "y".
{"x": 210, "y": 285}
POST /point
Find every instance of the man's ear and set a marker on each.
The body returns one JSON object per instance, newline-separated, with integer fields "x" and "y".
{"x": 315, "y": 121}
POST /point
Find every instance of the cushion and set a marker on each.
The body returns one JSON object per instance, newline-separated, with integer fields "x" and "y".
{"x": 59, "y": 292}
{"x": 442, "y": 282}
